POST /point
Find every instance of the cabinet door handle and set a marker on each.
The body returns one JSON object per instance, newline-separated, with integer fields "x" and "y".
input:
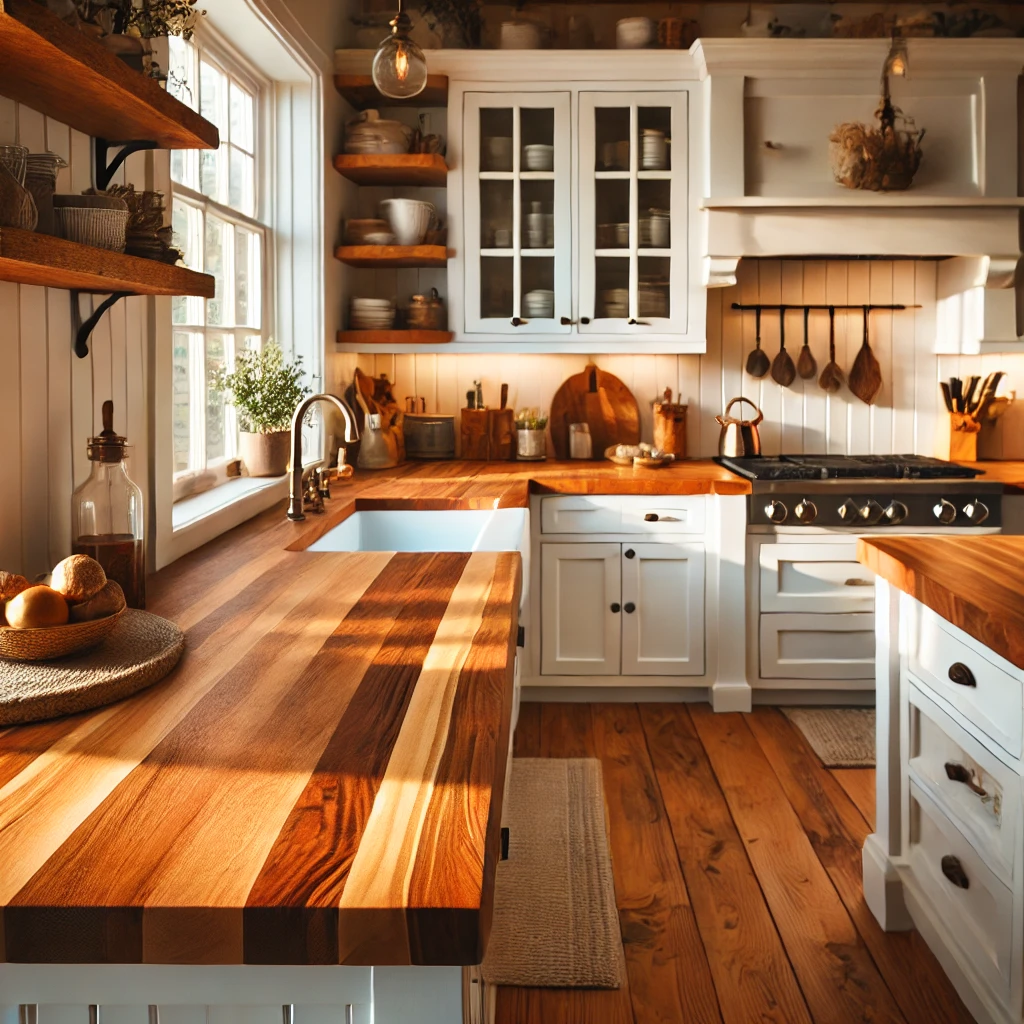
{"x": 854, "y": 582}
{"x": 516, "y": 322}
{"x": 630, "y": 553}
{"x": 638, "y": 323}
{"x": 960, "y": 674}
{"x": 616, "y": 607}
{"x": 958, "y": 773}
{"x": 629, "y": 607}
{"x": 651, "y": 517}
{"x": 954, "y": 871}
{"x": 566, "y": 322}
{"x": 584, "y": 319}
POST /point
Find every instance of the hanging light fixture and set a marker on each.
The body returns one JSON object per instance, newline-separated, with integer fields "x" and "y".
{"x": 399, "y": 67}
{"x": 898, "y": 61}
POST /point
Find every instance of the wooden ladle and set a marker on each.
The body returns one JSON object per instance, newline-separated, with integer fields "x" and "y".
{"x": 757, "y": 362}
{"x": 805, "y": 363}
{"x": 831, "y": 379}
{"x": 866, "y": 374}
{"x": 783, "y": 370}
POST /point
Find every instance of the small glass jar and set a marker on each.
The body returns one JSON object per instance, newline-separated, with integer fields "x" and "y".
{"x": 107, "y": 515}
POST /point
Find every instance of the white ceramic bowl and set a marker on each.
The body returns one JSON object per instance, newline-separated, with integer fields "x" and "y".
{"x": 539, "y": 157}
{"x": 379, "y": 238}
{"x": 410, "y": 219}
{"x": 498, "y": 153}
{"x": 634, "y": 33}
{"x": 539, "y": 303}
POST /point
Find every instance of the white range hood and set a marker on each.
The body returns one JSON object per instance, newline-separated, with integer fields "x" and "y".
{"x": 769, "y": 108}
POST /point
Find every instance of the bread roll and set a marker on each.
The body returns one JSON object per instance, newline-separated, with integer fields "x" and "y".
{"x": 11, "y": 585}
{"x": 108, "y": 601}
{"x": 37, "y": 608}
{"x": 78, "y": 578}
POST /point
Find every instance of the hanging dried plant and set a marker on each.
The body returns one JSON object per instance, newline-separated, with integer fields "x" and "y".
{"x": 145, "y": 18}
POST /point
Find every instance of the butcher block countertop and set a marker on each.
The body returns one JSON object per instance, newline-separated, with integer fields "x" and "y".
{"x": 976, "y": 583}
{"x": 320, "y": 780}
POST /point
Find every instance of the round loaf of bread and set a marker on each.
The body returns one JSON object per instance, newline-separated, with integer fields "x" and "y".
{"x": 11, "y": 585}
{"x": 37, "y": 608}
{"x": 78, "y": 578}
{"x": 108, "y": 601}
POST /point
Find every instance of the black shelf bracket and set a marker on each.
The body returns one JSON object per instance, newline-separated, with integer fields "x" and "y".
{"x": 104, "y": 170}
{"x": 83, "y": 328}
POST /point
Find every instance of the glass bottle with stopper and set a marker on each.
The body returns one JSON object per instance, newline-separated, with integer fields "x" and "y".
{"x": 107, "y": 515}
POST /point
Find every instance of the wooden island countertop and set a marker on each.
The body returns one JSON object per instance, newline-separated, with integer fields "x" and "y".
{"x": 320, "y": 780}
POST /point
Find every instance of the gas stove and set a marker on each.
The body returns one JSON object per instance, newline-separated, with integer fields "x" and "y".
{"x": 868, "y": 492}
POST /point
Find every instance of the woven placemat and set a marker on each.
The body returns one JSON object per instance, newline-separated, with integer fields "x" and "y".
{"x": 141, "y": 650}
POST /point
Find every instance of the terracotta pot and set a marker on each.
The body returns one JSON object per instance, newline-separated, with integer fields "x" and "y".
{"x": 265, "y": 454}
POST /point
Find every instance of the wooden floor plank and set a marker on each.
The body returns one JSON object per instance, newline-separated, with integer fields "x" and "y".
{"x": 752, "y": 973}
{"x": 567, "y": 730}
{"x": 836, "y": 830}
{"x": 859, "y": 785}
{"x": 526, "y": 740}
{"x": 669, "y": 977}
{"x": 836, "y": 973}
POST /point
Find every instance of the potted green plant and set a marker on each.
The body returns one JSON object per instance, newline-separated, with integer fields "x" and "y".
{"x": 265, "y": 390}
{"x": 531, "y": 439}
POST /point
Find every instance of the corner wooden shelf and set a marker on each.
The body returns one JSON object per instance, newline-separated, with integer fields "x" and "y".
{"x": 381, "y": 257}
{"x": 418, "y": 169}
{"x": 66, "y": 75}
{"x": 360, "y": 91}
{"x": 410, "y": 337}
{"x": 30, "y": 258}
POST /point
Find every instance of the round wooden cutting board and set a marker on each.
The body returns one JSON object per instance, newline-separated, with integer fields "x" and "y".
{"x": 599, "y": 399}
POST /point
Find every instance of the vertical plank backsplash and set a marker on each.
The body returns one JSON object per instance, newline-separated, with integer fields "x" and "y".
{"x": 51, "y": 400}
{"x": 802, "y": 418}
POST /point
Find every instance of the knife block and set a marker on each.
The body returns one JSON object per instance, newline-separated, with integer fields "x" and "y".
{"x": 956, "y": 437}
{"x": 487, "y": 435}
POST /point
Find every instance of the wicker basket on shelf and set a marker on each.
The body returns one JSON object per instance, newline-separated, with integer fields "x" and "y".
{"x": 55, "y": 641}
{"x": 97, "y": 220}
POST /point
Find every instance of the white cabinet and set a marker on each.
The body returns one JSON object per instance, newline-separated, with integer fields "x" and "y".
{"x": 836, "y": 648}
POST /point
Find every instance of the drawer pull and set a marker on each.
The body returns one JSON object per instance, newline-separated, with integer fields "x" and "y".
{"x": 856, "y": 582}
{"x": 958, "y": 773}
{"x": 954, "y": 871}
{"x": 960, "y": 674}
{"x": 651, "y": 517}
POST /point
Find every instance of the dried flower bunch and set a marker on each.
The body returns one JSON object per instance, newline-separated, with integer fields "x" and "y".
{"x": 147, "y": 19}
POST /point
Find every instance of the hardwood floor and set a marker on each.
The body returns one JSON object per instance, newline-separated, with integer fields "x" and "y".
{"x": 736, "y": 857}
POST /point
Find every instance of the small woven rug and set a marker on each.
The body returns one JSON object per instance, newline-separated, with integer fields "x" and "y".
{"x": 555, "y": 920}
{"x": 841, "y": 737}
{"x": 140, "y": 651}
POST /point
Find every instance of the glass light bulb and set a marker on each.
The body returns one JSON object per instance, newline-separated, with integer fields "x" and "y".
{"x": 399, "y": 68}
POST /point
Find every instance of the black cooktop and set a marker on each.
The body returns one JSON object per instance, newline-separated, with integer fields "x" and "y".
{"x": 846, "y": 467}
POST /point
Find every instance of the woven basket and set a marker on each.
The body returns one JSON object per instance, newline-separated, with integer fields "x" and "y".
{"x": 55, "y": 641}
{"x": 104, "y": 229}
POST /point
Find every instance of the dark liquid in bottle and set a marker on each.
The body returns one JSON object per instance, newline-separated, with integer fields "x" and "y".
{"x": 123, "y": 559}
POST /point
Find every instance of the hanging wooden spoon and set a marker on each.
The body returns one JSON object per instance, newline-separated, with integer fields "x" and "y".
{"x": 831, "y": 379}
{"x": 758, "y": 363}
{"x": 805, "y": 364}
{"x": 866, "y": 374}
{"x": 783, "y": 370}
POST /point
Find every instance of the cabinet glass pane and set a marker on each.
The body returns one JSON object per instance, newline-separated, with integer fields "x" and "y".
{"x": 496, "y": 286}
{"x": 654, "y": 203}
{"x": 538, "y": 300}
{"x": 496, "y": 214}
{"x": 612, "y": 276}
{"x": 496, "y": 139}
{"x": 611, "y": 139}
{"x": 538, "y": 227}
{"x": 655, "y": 125}
{"x": 653, "y": 299}
{"x": 537, "y": 133}
{"x": 611, "y": 213}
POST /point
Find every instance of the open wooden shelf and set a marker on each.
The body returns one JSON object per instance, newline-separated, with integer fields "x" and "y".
{"x": 380, "y": 257}
{"x": 410, "y": 337}
{"x": 30, "y": 258}
{"x": 422, "y": 169}
{"x": 66, "y": 75}
{"x": 360, "y": 91}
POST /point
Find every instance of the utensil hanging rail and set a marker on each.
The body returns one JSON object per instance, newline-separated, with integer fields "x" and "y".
{"x": 859, "y": 307}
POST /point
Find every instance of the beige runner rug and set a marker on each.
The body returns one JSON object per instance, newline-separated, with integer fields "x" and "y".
{"x": 555, "y": 920}
{"x": 841, "y": 737}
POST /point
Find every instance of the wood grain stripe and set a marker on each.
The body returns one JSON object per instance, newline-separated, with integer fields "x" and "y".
{"x": 291, "y": 912}
{"x": 381, "y": 871}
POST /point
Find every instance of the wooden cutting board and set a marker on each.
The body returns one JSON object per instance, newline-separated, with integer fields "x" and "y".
{"x": 599, "y": 399}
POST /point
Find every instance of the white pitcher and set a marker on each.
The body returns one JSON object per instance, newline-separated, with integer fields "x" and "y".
{"x": 410, "y": 219}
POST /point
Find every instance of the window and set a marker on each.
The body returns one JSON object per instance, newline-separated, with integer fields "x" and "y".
{"x": 222, "y": 230}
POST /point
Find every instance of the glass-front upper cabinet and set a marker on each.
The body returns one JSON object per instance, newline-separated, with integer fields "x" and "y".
{"x": 518, "y": 241}
{"x": 633, "y": 226}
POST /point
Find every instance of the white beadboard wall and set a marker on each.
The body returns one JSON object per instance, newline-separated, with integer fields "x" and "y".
{"x": 802, "y": 418}
{"x": 51, "y": 400}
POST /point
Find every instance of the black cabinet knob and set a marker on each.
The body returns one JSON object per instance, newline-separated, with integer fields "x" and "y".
{"x": 565, "y": 321}
{"x": 629, "y": 607}
{"x": 960, "y": 674}
{"x": 516, "y": 322}
{"x": 954, "y": 871}
{"x": 584, "y": 319}
{"x": 616, "y": 607}
{"x": 630, "y": 553}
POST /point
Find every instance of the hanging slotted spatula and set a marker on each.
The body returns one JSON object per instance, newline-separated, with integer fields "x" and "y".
{"x": 783, "y": 370}
{"x": 831, "y": 379}
{"x": 805, "y": 363}
{"x": 866, "y": 374}
{"x": 758, "y": 363}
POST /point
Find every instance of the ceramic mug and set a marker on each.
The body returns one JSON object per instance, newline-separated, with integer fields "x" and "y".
{"x": 410, "y": 219}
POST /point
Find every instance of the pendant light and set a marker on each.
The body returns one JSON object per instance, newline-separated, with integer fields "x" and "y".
{"x": 399, "y": 67}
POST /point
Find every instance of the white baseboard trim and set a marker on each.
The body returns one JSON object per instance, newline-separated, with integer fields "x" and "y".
{"x": 883, "y": 888}
{"x": 731, "y": 696}
{"x": 615, "y": 694}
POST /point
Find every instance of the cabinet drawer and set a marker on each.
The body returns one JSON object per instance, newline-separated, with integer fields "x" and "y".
{"x": 814, "y": 578}
{"x": 801, "y": 646}
{"x": 968, "y": 783}
{"x": 984, "y": 692}
{"x": 623, "y": 513}
{"x": 978, "y": 918}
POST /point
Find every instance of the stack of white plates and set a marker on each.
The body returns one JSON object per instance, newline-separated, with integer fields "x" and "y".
{"x": 539, "y": 157}
{"x": 372, "y": 315}
{"x": 539, "y": 304}
{"x": 616, "y": 303}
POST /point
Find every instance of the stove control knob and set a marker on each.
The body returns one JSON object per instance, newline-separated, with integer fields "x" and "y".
{"x": 870, "y": 512}
{"x": 848, "y": 511}
{"x": 944, "y": 511}
{"x": 806, "y": 511}
{"x": 895, "y": 513}
{"x": 976, "y": 512}
{"x": 776, "y": 511}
